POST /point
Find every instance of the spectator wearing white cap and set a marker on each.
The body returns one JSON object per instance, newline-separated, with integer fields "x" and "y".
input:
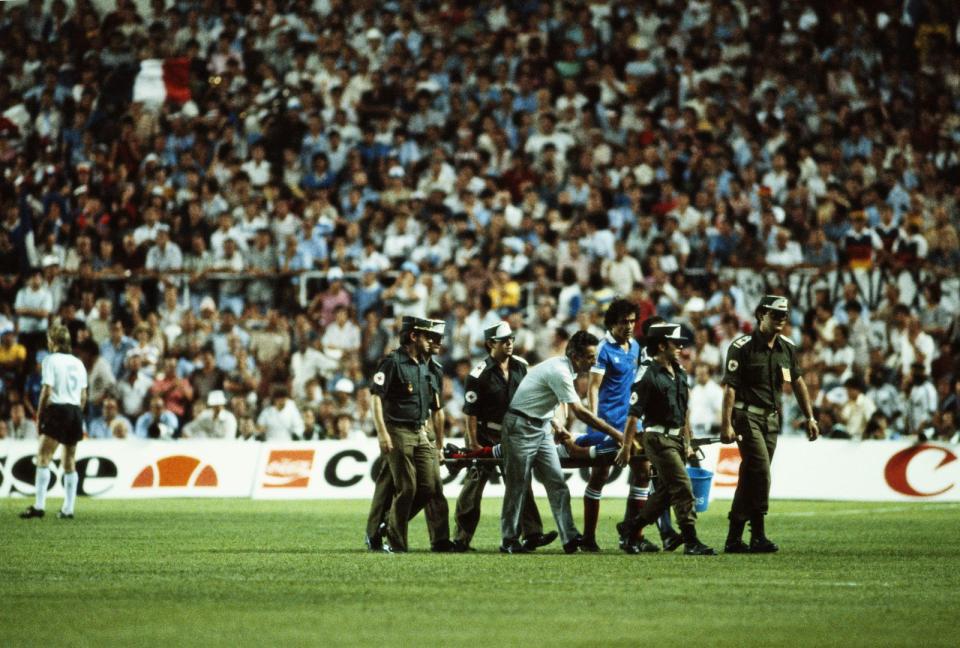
{"x": 323, "y": 306}
{"x": 214, "y": 422}
{"x": 372, "y": 48}
{"x": 345, "y": 411}
{"x": 397, "y": 191}
{"x": 55, "y": 283}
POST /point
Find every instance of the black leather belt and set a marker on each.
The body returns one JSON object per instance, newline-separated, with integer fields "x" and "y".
{"x": 532, "y": 419}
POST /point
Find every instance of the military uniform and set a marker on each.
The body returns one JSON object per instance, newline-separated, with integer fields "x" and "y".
{"x": 436, "y": 509}
{"x": 487, "y": 395}
{"x": 385, "y": 491}
{"x": 407, "y": 389}
{"x": 660, "y": 400}
{"x": 757, "y": 373}
{"x": 756, "y": 370}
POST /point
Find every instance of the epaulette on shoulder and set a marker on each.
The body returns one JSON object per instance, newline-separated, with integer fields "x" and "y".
{"x": 520, "y": 359}
{"x": 788, "y": 340}
{"x": 436, "y": 363}
{"x": 740, "y": 341}
{"x": 477, "y": 371}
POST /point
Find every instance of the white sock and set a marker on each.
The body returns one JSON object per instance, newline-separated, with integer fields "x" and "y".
{"x": 43, "y": 478}
{"x": 70, "y": 486}
{"x": 639, "y": 494}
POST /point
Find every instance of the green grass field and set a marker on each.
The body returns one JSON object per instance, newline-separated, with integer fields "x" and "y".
{"x": 220, "y": 572}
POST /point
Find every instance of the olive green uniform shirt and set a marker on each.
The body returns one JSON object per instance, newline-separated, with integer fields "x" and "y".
{"x": 408, "y": 389}
{"x": 758, "y": 372}
{"x": 659, "y": 398}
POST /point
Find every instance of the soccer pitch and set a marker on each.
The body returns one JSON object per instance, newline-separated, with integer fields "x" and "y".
{"x": 229, "y": 572}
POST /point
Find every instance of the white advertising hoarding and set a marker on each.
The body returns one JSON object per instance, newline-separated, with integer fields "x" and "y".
{"x": 135, "y": 468}
{"x": 823, "y": 470}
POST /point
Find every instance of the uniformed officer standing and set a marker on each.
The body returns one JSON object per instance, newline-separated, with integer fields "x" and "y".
{"x": 489, "y": 388}
{"x": 756, "y": 368}
{"x": 436, "y": 510}
{"x": 59, "y": 412}
{"x": 403, "y": 399}
{"x": 660, "y": 398}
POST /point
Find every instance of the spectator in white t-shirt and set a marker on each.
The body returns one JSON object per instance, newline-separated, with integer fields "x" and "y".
{"x": 859, "y": 408}
{"x": 913, "y": 345}
{"x": 705, "y": 402}
{"x": 281, "y": 420}
{"x": 921, "y": 402}
{"x": 33, "y": 305}
{"x": 342, "y": 333}
{"x": 214, "y": 422}
{"x": 622, "y": 271}
{"x": 257, "y": 168}
{"x": 837, "y": 358}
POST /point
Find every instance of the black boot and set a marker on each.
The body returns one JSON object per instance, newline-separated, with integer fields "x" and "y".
{"x": 735, "y": 543}
{"x": 691, "y": 543}
{"x": 759, "y": 543}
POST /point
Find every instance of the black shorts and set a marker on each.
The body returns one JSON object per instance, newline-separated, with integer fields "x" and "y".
{"x": 63, "y": 423}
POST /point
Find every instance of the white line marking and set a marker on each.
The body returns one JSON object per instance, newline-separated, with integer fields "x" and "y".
{"x": 861, "y": 511}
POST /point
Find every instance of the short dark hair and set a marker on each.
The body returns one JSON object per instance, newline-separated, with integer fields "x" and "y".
{"x": 580, "y": 341}
{"x": 618, "y": 310}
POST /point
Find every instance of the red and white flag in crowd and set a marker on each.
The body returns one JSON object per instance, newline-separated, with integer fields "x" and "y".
{"x": 161, "y": 80}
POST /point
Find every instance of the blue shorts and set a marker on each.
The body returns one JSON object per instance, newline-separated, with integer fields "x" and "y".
{"x": 603, "y": 443}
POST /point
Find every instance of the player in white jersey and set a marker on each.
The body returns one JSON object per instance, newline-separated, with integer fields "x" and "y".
{"x": 62, "y": 399}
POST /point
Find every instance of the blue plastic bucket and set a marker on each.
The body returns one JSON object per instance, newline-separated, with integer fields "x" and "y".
{"x": 700, "y": 479}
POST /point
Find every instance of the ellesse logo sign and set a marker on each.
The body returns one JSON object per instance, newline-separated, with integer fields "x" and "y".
{"x": 178, "y": 471}
{"x": 927, "y": 460}
{"x": 288, "y": 469}
{"x": 728, "y": 467}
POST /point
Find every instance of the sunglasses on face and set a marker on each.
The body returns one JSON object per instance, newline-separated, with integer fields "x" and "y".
{"x": 778, "y": 315}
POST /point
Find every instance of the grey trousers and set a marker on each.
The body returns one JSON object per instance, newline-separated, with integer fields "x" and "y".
{"x": 528, "y": 449}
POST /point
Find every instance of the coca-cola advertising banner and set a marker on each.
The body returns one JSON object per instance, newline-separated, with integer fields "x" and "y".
{"x": 821, "y": 470}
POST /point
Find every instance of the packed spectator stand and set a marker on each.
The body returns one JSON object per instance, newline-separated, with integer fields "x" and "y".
{"x": 336, "y": 165}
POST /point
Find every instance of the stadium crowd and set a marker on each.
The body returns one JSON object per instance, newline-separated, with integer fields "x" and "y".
{"x": 234, "y": 266}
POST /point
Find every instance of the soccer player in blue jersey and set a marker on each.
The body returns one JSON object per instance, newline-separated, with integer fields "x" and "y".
{"x": 611, "y": 378}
